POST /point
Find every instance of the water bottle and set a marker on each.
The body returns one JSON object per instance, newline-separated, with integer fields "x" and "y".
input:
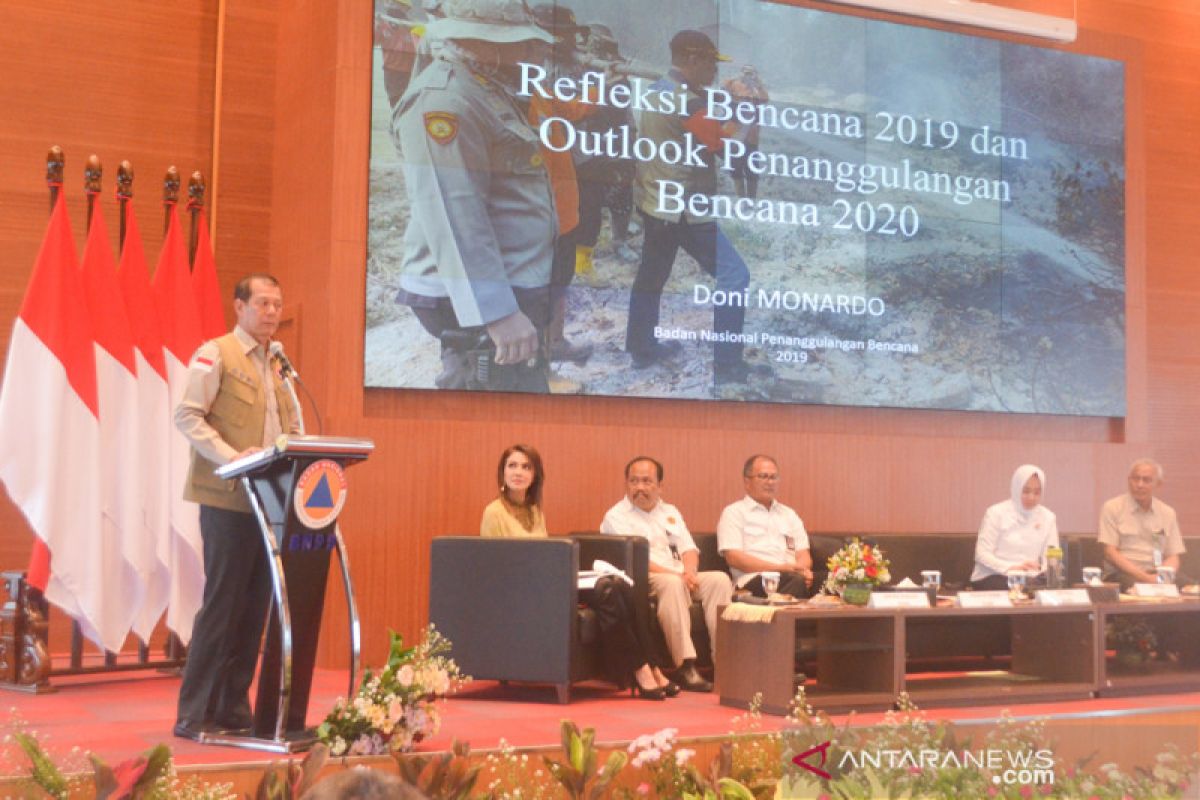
{"x": 1055, "y": 575}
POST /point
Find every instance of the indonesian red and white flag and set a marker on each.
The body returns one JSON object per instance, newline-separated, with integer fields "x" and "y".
{"x": 157, "y": 430}
{"x": 205, "y": 284}
{"x": 181, "y": 332}
{"x": 118, "y": 559}
{"x": 49, "y": 427}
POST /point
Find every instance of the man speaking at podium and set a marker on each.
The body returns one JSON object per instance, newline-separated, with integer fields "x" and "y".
{"x": 234, "y": 404}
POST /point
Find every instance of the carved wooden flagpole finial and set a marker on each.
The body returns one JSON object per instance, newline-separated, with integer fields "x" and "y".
{"x": 196, "y": 189}
{"x": 170, "y": 194}
{"x": 124, "y": 195}
{"x": 93, "y": 173}
{"x": 55, "y": 164}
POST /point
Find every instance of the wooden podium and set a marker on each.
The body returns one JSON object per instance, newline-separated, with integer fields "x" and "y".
{"x": 297, "y": 490}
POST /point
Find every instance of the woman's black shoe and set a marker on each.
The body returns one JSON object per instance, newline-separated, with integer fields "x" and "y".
{"x": 637, "y": 690}
{"x": 672, "y": 689}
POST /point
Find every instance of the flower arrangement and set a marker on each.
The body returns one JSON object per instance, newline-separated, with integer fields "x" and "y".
{"x": 398, "y": 707}
{"x": 857, "y": 562}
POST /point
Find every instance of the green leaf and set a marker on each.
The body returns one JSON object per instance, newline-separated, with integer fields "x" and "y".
{"x": 576, "y": 755}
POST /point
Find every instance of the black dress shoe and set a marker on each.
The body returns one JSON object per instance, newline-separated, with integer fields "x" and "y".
{"x": 672, "y": 689}
{"x": 189, "y": 730}
{"x": 691, "y": 681}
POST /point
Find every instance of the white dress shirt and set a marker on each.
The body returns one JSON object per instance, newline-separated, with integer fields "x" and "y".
{"x": 1009, "y": 535}
{"x": 773, "y": 534}
{"x": 662, "y": 527}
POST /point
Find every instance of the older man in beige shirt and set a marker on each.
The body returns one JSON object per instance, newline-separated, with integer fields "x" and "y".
{"x": 1139, "y": 532}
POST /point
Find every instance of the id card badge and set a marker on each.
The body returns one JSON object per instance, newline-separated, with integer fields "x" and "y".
{"x": 1160, "y": 538}
{"x": 789, "y": 543}
{"x": 674, "y": 547}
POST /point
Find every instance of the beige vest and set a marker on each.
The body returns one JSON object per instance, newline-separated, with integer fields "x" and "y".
{"x": 237, "y": 414}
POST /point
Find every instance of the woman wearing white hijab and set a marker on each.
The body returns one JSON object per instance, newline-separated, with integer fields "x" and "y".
{"x": 1015, "y": 533}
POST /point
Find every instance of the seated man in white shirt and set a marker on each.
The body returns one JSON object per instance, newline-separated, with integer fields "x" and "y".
{"x": 674, "y": 565}
{"x": 759, "y": 534}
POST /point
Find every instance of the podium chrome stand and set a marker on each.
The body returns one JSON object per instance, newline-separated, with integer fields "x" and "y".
{"x": 297, "y": 489}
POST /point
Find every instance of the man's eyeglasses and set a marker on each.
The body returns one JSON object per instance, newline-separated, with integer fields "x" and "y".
{"x": 766, "y": 476}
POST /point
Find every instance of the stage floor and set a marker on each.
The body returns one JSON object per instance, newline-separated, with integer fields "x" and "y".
{"x": 120, "y": 716}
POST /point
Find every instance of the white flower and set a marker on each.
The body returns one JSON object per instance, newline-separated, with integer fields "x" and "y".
{"x": 683, "y": 755}
{"x": 647, "y": 756}
{"x": 405, "y": 675}
{"x": 665, "y": 738}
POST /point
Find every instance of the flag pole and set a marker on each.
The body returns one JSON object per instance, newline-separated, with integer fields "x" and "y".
{"x": 124, "y": 195}
{"x": 175, "y": 648}
{"x": 196, "y": 189}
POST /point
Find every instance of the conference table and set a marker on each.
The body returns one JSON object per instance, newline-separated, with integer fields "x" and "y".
{"x": 860, "y": 658}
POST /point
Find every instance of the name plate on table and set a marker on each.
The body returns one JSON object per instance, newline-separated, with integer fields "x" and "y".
{"x": 898, "y": 600}
{"x": 1156, "y": 590}
{"x": 984, "y": 600}
{"x": 1063, "y": 597}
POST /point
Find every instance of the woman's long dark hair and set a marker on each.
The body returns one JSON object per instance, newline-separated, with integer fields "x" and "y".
{"x": 533, "y": 497}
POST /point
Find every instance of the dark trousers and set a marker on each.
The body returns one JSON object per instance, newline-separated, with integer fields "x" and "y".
{"x": 594, "y": 196}
{"x": 228, "y": 629}
{"x": 745, "y": 180}
{"x": 625, "y": 636}
{"x": 789, "y": 583}
{"x": 562, "y": 270}
{"x": 716, "y": 255}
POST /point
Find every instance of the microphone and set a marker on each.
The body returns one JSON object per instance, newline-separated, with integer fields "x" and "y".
{"x": 276, "y": 351}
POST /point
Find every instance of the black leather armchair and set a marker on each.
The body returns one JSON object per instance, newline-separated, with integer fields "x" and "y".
{"x": 510, "y": 607}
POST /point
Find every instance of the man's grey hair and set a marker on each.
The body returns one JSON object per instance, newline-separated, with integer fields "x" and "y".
{"x": 748, "y": 466}
{"x": 1148, "y": 462}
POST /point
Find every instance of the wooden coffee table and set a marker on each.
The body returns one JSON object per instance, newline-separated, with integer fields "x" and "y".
{"x": 861, "y": 659}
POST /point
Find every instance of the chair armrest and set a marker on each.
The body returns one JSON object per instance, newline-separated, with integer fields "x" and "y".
{"x": 508, "y": 606}
{"x": 630, "y": 553}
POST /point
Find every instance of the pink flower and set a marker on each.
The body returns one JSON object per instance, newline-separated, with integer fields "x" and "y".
{"x": 643, "y": 789}
{"x": 1047, "y": 788}
{"x": 1026, "y": 791}
{"x": 993, "y": 791}
{"x": 914, "y": 770}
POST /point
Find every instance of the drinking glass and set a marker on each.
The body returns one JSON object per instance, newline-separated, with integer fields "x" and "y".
{"x": 1016, "y": 584}
{"x": 1091, "y": 576}
{"x": 931, "y": 579}
{"x": 770, "y": 582}
{"x": 1166, "y": 574}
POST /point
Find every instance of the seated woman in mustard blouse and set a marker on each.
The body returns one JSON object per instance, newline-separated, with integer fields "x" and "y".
{"x": 517, "y": 513}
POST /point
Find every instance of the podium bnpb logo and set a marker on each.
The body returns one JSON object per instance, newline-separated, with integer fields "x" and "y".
{"x": 320, "y": 494}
